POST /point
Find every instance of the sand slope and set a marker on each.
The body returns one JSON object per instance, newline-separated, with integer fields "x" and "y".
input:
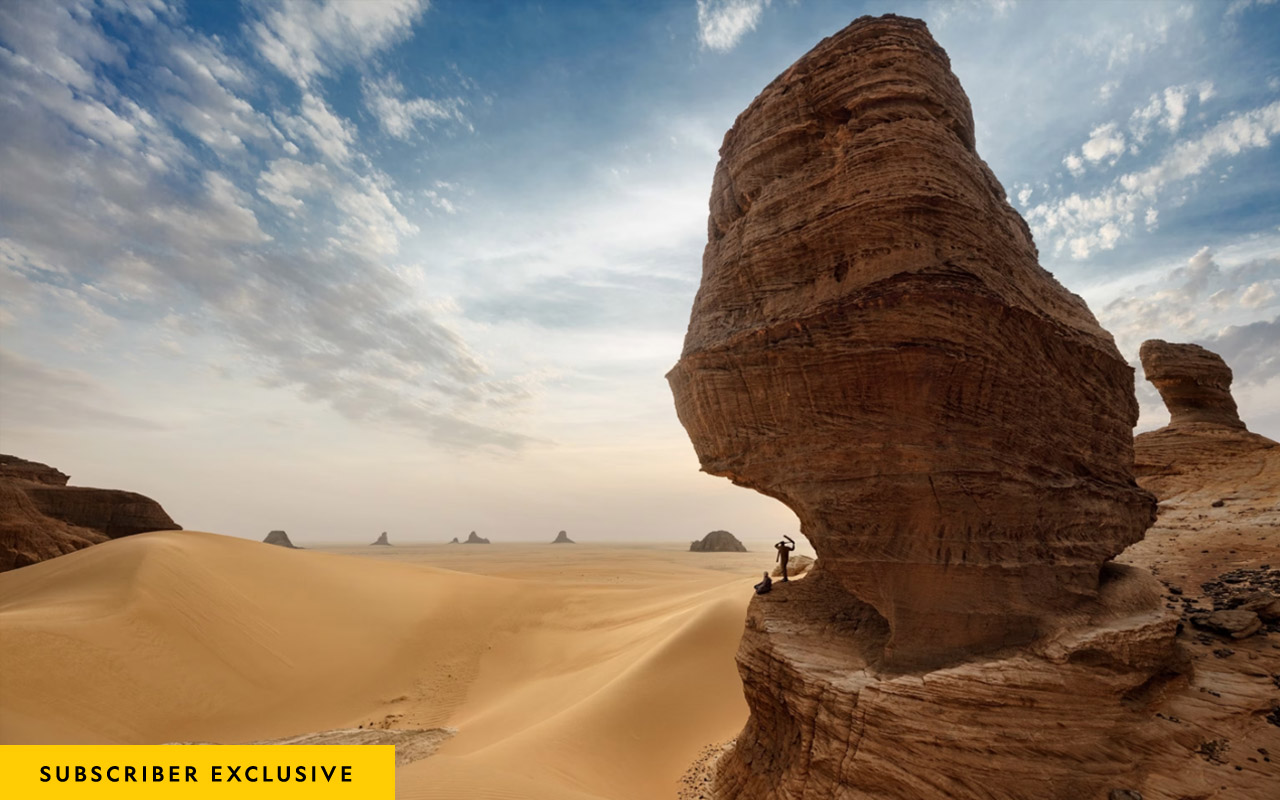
{"x": 603, "y": 683}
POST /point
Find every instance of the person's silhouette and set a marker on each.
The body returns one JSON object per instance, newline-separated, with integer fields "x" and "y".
{"x": 784, "y": 552}
{"x": 765, "y": 585}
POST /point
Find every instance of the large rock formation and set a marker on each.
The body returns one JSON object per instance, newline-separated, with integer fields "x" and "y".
{"x": 562, "y": 538}
{"x": 1205, "y": 436}
{"x": 875, "y": 344}
{"x": 42, "y": 517}
{"x": 279, "y": 538}
{"x": 474, "y": 539}
{"x": 717, "y": 542}
{"x": 1194, "y": 383}
{"x": 382, "y": 539}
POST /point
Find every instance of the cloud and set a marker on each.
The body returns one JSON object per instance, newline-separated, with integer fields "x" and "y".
{"x": 168, "y": 192}
{"x": 1252, "y": 351}
{"x": 32, "y": 394}
{"x": 722, "y": 23}
{"x": 1105, "y": 141}
{"x": 307, "y": 40}
{"x": 1194, "y": 300}
{"x": 399, "y": 117}
{"x": 1082, "y": 225}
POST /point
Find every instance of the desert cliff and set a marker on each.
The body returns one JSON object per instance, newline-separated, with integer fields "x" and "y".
{"x": 41, "y": 517}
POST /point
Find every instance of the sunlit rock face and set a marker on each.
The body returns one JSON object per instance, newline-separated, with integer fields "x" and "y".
{"x": 41, "y": 517}
{"x": 875, "y": 344}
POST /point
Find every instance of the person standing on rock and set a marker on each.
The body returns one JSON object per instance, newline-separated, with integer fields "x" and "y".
{"x": 784, "y": 552}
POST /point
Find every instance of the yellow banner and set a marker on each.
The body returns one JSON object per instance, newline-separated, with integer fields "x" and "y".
{"x": 36, "y": 772}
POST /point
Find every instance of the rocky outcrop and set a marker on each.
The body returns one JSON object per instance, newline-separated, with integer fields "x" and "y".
{"x": 474, "y": 539}
{"x": 796, "y": 566}
{"x": 1205, "y": 436}
{"x": 41, "y": 517}
{"x": 562, "y": 538}
{"x": 454, "y": 540}
{"x": 1194, "y": 383}
{"x": 717, "y": 542}
{"x": 383, "y": 540}
{"x": 875, "y": 345}
{"x": 279, "y": 538}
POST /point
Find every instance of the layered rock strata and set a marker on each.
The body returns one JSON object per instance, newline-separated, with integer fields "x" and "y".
{"x": 41, "y": 517}
{"x": 874, "y": 344}
{"x": 1194, "y": 383}
{"x": 1205, "y": 435}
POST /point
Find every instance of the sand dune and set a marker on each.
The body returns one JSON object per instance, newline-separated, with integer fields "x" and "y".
{"x": 599, "y": 673}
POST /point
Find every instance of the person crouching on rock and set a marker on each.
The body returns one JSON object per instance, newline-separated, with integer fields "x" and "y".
{"x": 765, "y": 585}
{"x": 784, "y": 552}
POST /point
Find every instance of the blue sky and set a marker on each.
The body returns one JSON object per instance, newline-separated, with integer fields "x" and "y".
{"x": 341, "y": 268}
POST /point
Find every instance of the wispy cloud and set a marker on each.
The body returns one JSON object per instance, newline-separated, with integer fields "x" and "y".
{"x": 722, "y": 23}
{"x": 307, "y": 40}
{"x": 1085, "y": 224}
{"x": 179, "y": 190}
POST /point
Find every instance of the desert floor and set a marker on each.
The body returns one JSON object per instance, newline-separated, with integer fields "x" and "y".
{"x": 561, "y": 671}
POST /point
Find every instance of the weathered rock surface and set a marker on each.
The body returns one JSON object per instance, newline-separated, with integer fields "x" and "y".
{"x": 796, "y": 566}
{"x": 875, "y": 345}
{"x": 717, "y": 542}
{"x": 41, "y": 517}
{"x": 383, "y": 539}
{"x": 1236, "y": 623}
{"x": 562, "y": 538}
{"x": 1205, "y": 435}
{"x": 474, "y": 539}
{"x": 279, "y": 538}
{"x": 1194, "y": 383}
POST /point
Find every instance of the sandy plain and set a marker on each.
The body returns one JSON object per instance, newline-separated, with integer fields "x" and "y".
{"x": 569, "y": 671}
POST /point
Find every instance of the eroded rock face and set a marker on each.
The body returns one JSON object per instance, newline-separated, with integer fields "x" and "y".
{"x": 717, "y": 542}
{"x": 875, "y": 345}
{"x": 1194, "y": 383}
{"x": 41, "y": 517}
{"x": 1205, "y": 436}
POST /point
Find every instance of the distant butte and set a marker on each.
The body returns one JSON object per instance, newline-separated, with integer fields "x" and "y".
{"x": 281, "y": 539}
{"x": 717, "y": 542}
{"x": 474, "y": 539}
{"x": 563, "y": 538}
{"x": 382, "y": 540}
{"x": 41, "y": 517}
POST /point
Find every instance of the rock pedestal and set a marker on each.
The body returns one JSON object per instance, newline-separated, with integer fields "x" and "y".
{"x": 875, "y": 345}
{"x": 1194, "y": 383}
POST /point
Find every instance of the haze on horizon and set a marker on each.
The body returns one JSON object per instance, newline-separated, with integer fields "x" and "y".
{"x": 341, "y": 268}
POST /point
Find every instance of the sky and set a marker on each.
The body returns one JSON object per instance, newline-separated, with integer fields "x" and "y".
{"x": 338, "y": 268}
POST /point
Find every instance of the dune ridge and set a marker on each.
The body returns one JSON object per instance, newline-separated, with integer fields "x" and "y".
{"x": 578, "y": 688}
